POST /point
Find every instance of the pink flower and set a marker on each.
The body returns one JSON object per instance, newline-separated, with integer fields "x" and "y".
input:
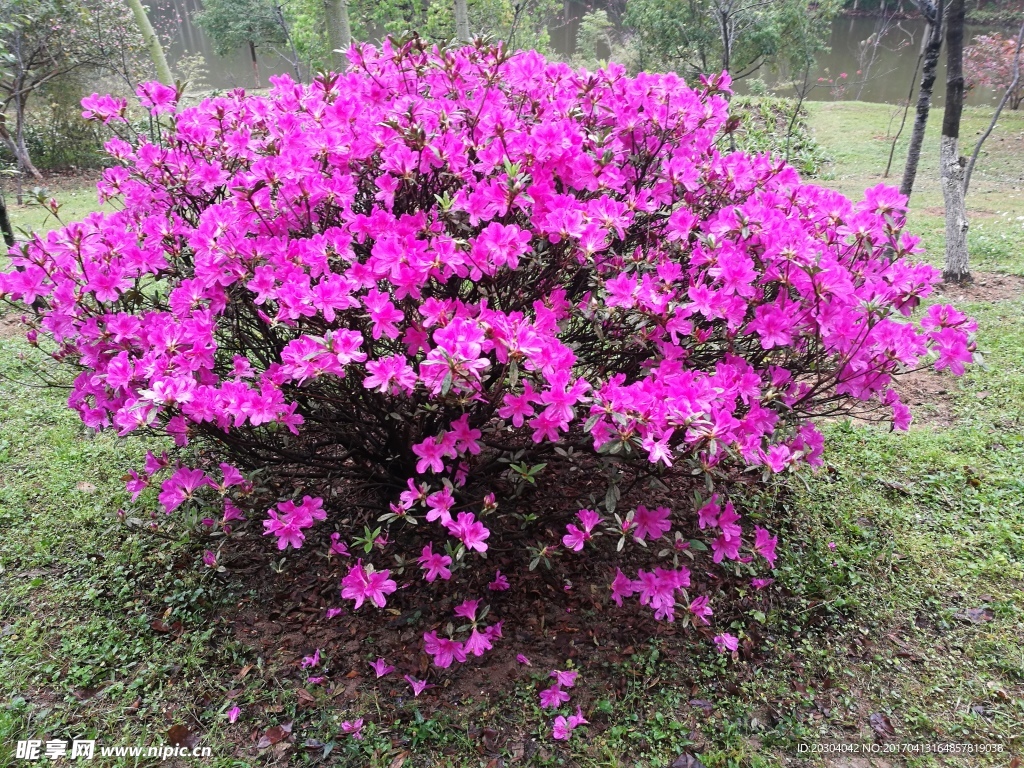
{"x": 651, "y": 523}
{"x": 500, "y": 583}
{"x": 355, "y": 729}
{"x": 381, "y": 667}
{"x": 832, "y": 546}
{"x": 553, "y": 697}
{"x": 700, "y": 609}
{"x": 467, "y": 609}
{"x": 418, "y": 686}
{"x": 622, "y": 586}
{"x": 338, "y": 547}
{"x": 523, "y": 660}
{"x": 443, "y": 649}
{"x": 764, "y": 545}
{"x": 726, "y": 642}
{"x": 469, "y": 531}
{"x": 566, "y": 679}
{"x": 311, "y": 661}
{"x": 233, "y": 714}
{"x": 434, "y": 564}
{"x": 760, "y": 583}
{"x": 360, "y": 585}
{"x": 332, "y": 612}
{"x": 209, "y": 559}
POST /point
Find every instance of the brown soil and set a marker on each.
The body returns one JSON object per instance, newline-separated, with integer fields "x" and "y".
{"x": 986, "y": 286}
{"x": 929, "y": 395}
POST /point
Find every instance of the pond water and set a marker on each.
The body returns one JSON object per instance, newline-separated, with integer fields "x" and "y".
{"x": 885, "y": 54}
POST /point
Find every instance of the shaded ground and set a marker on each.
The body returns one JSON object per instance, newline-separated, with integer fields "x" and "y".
{"x": 908, "y": 630}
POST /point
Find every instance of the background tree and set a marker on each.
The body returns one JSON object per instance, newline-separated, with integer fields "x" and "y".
{"x": 931, "y": 10}
{"x": 339, "y": 30}
{"x": 152, "y": 42}
{"x": 232, "y": 24}
{"x": 462, "y": 21}
{"x": 698, "y": 36}
{"x": 44, "y": 41}
{"x": 951, "y": 164}
{"x": 1012, "y": 87}
{"x": 991, "y": 63}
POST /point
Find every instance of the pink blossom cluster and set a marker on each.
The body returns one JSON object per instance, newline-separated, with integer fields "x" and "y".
{"x": 412, "y": 272}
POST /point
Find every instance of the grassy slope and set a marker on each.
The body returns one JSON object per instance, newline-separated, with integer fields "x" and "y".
{"x": 926, "y": 526}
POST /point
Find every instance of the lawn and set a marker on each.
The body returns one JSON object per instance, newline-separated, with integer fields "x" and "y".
{"x": 897, "y": 604}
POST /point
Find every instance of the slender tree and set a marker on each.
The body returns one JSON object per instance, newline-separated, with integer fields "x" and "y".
{"x": 932, "y": 12}
{"x": 951, "y": 163}
{"x": 462, "y": 21}
{"x": 339, "y": 30}
{"x": 152, "y": 41}
{"x": 1010, "y": 90}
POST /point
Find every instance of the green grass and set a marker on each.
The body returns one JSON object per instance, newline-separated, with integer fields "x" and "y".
{"x": 927, "y": 526}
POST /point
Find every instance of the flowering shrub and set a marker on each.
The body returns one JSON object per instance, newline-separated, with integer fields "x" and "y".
{"x": 441, "y": 277}
{"x": 989, "y": 62}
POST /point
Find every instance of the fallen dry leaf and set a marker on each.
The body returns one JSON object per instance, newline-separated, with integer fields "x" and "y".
{"x": 180, "y": 736}
{"x": 881, "y": 725}
{"x": 274, "y": 735}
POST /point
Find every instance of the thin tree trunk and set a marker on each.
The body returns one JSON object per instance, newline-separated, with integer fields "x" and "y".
{"x": 462, "y": 21}
{"x": 906, "y": 109}
{"x": 295, "y": 60}
{"x": 5, "y": 223}
{"x": 156, "y": 51}
{"x": 20, "y": 147}
{"x": 952, "y": 165}
{"x": 339, "y": 32}
{"x": 933, "y": 14}
{"x": 995, "y": 116}
{"x": 255, "y": 63}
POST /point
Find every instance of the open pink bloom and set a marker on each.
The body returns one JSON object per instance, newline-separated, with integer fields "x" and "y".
{"x": 354, "y": 729}
{"x": 622, "y": 586}
{"x": 233, "y": 714}
{"x": 566, "y": 679}
{"x": 311, "y": 661}
{"x": 651, "y": 523}
{"x": 479, "y": 643}
{"x": 443, "y": 649}
{"x": 726, "y": 642}
{"x": 418, "y": 686}
{"x": 469, "y": 531}
{"x": 700, "y": 609}
{"x": 434, "y": 564}
{"x": 181, "y": 487}
{"x": 360, "y": 585}
{"x": 381, "y": 667}
{"x": 575, "y": 721}
{"x": 553, "y": 697}
{"x": 561, "y": 730}
{"x": 467, "y": 609}
{"x": 764, "y": 545}
{"x": 500, "y": 583}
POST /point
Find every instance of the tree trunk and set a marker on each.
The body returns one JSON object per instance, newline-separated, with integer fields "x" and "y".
{"x": 933, "y": 14}
{"x": 255, "y": 64}
{"x": 17, "y": 143}
{"x": 999, "y": 109}
{"x": 339, "y": 32}
{"x": 462, "y": 21}
{"x": 952, "y": 169}
{"x": 5, "y": 223}
{"x": 156, "y": 51}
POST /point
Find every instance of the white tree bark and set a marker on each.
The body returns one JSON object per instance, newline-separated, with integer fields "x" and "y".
{"x": 952, "y": 170}
{"x": 462, "y": 21}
